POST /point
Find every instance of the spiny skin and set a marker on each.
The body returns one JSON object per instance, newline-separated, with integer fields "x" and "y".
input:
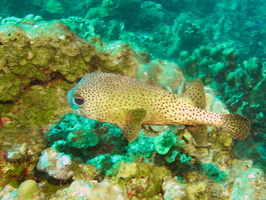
{"x": 126, "y": 102}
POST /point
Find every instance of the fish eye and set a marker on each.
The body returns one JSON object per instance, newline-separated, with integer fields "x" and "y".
{"x": 79, "y": 101}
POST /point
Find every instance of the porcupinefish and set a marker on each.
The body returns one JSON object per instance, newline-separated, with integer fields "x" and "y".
{"x": 128, "y": 103}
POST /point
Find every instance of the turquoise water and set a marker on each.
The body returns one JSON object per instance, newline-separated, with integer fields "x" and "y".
{"x": 46, "y": 46}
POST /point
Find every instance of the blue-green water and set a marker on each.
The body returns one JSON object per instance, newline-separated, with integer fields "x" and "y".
{"x": 46, "y": 46}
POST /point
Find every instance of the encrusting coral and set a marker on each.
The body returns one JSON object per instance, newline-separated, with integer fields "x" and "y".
{"x": 35, "y": 76}
{"x": 39, "y": 63}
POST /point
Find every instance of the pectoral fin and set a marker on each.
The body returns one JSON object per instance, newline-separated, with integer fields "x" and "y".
{"x": 132, "y": 123}
{"x": 199, "y": 133}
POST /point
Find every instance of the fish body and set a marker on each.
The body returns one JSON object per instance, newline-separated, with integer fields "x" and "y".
{"x": 128, "y": 103}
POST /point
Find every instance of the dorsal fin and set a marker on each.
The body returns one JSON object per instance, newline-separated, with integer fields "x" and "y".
{"x": 196, "y": 94}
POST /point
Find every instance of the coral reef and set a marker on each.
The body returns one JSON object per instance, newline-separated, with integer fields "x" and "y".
{"x": 46, "y": 152}
{"x": 32, "y": 71}
{"x": 35, "y": 76}
{"x": 156, "y": 24}
{"x": 36, "y": 73}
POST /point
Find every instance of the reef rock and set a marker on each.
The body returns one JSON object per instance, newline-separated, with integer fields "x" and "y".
{"x": 57, "y": 165}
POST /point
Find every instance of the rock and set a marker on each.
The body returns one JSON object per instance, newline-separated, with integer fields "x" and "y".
{"x": 8, "y": 193}
{"x": 57, "y": 165}
{"x": 18, "y": 152}
{"x": 173, "y": 190}
{"x": 128, "y": 170}
{"x": 249, "y": 182}
{"x": 93, "y": 190}
{"x": 28, "y": 190}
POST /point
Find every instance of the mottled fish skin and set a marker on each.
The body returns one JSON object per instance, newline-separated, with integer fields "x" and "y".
{"x": 128, "y": 103}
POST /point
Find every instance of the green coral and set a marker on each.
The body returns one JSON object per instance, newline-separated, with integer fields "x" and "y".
{"x": 171, "y": 158}
{"x": 164, "y": 142}
{"x": 77, "y": 131}
{"x": 82, "y": 138}
{"x": 213, "y": 172}
{"x": 167, "y": 144}
{"x": 143, "y": 146}
{"x": 73, "y": 135}
{"x": 106, "y": 163}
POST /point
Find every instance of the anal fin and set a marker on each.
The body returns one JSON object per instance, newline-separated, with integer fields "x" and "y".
{"x": 200, "y": 134}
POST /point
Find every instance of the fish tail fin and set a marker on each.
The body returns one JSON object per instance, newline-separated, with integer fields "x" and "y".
{"x": 236, "y": 125}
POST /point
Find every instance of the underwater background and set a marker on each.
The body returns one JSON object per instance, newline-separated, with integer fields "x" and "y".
{"x": 48, "y": 152}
